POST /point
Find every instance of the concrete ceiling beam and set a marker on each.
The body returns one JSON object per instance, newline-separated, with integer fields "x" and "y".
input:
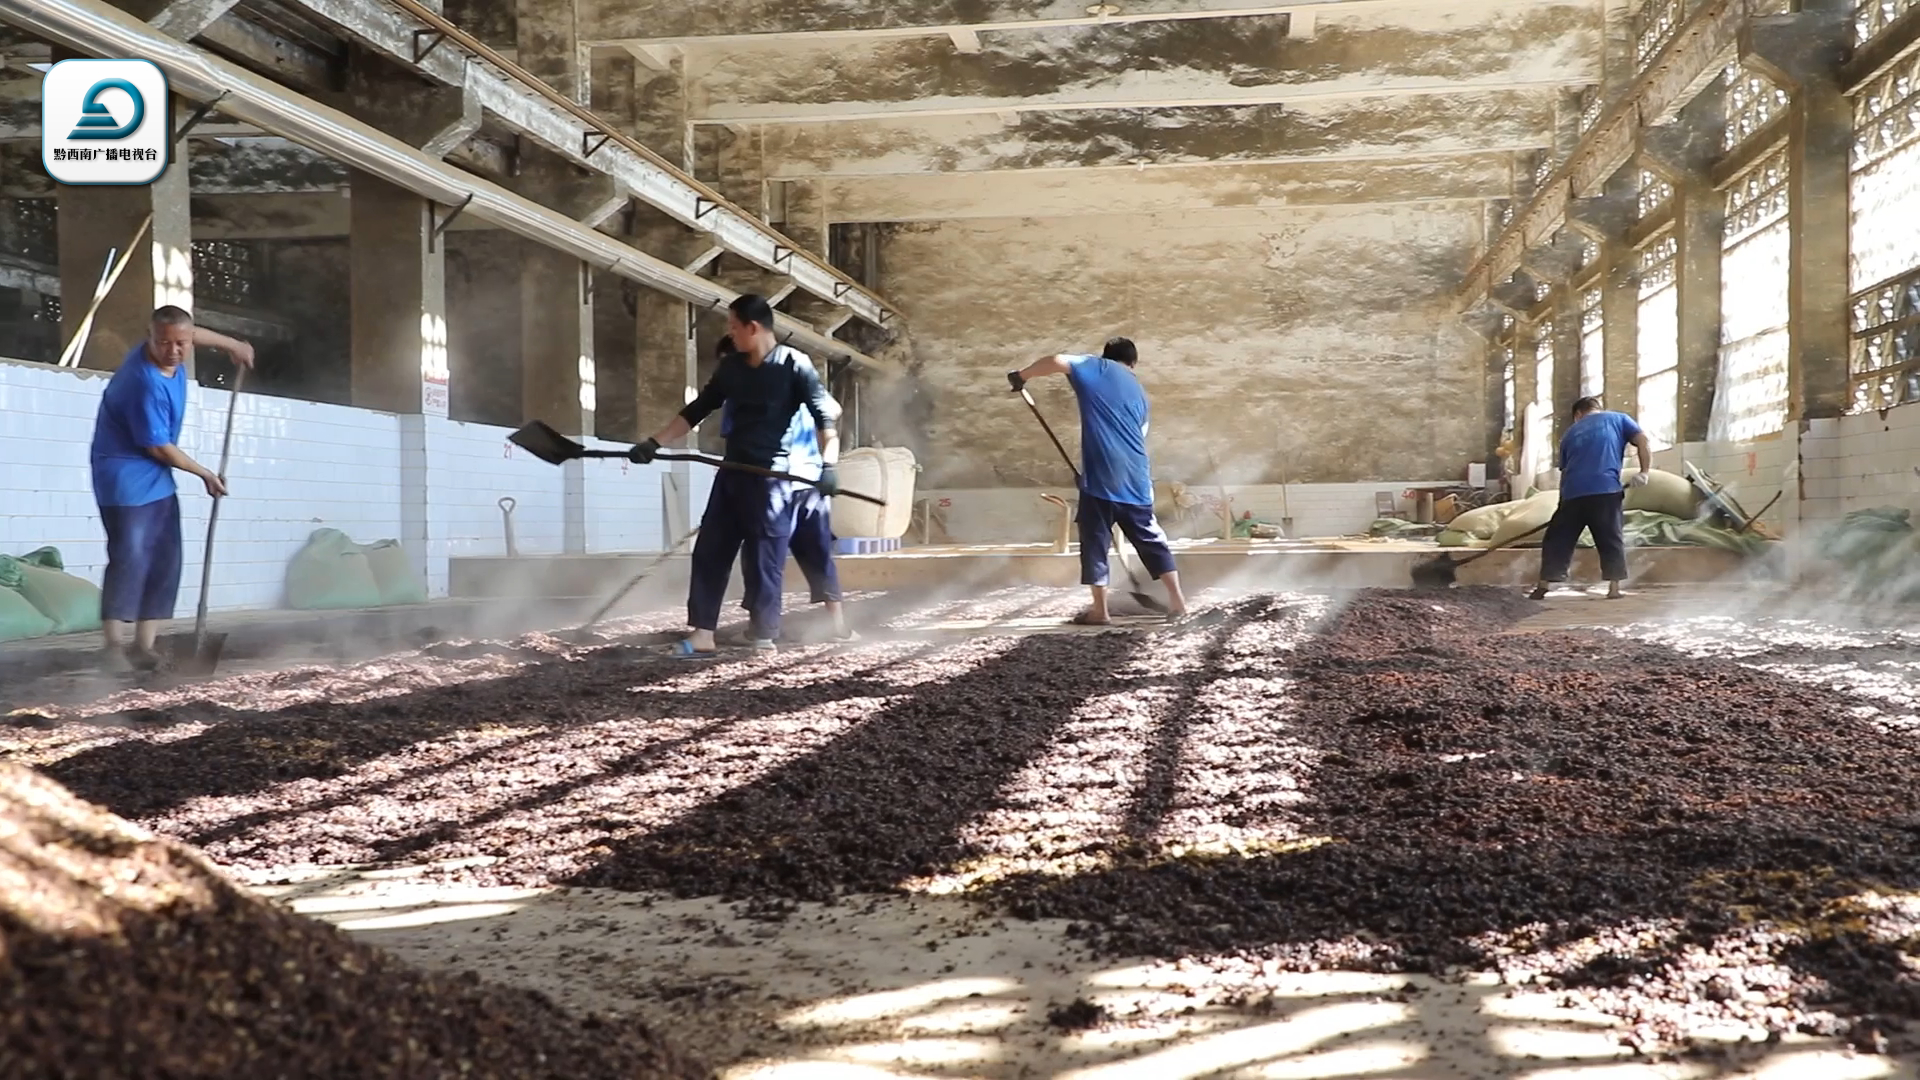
{"x": 391, "y": 31}
{"x": 733, "y": 23}
{"x": 1238, "y": 62}
{"x": 1200, "y": 190}
{"x": 1367, "y": 129}
{"x": 1696, "y": 56}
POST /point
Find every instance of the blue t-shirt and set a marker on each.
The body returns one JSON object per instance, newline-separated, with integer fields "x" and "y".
{"x": 142, "y": 408}
{"x": 1113, "y": 431}
{"x": 1591, "y": 451}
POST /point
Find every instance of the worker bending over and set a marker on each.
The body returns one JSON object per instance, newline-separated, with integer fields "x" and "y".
{"x": 812, "y": 544}
{"x": 136, "y": 437}
{"x": 750, "y": 516}
{"x": 1116, "y": 479}
{"x": 1591, "y": 498}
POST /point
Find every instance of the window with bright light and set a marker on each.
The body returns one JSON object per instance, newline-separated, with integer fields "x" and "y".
{"x": 1872, "y": 17}
{"x": 1885, "y": 241}
{"x": 1593, "y": 343}
{"x": 1752, "y": 102}
{"x": 1658, "y": 368}
{"x": 1750, "y": 398}
{"x": 1655, "y": 193}
{"x": 1656, "y": 24}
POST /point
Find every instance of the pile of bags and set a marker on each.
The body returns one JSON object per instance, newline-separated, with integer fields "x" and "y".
{"x": 1659, "y": 514}
{"x": 38, "y": 597}
{"x": 332, "y": 573}
{"x": 1872, "y": 555}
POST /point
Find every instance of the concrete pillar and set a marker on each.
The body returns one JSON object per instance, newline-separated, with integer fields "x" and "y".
{"x": 1802, "y": 52}
{"x": 1620, "y": 344}
{"x": 399, "y": 297}
{"x": 1496, "y": 399}
{"x": 665, "y": 371}
{"x": 1606, "y": 219}
{"x": 1566, "y": 360}
{"x": 96, "y": 220}
{"x": 557, "y": 356}
{"x": 1683, "y": 152}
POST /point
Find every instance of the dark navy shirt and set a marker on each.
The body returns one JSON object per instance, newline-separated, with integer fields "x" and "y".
{"x": 760, "y": 404}
{"x": 142, "y": 408}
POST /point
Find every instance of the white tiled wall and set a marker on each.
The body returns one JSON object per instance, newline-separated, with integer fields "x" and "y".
{"x": 1016, "y": 515}
{"x": 298, "y": 466}
{"x": 1858, "y": 462}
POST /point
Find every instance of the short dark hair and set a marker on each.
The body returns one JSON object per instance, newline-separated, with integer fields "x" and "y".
{"x": 171, "y": 315}
{"x": 752, "y": 308}
{"x": 1583, "y": 406}
{"x": 1121, "y": 351}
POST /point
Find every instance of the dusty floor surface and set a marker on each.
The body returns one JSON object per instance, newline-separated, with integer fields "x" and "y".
{"x": 1689, "y": 825}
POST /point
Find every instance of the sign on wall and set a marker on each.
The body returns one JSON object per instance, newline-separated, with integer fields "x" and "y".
{"x": 105, "y": 122}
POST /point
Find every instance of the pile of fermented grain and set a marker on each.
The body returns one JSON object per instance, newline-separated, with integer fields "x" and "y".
{"x": 122, "y": 955}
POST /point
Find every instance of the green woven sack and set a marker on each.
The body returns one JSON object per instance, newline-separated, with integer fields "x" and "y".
{"x": 72, "y": 603}
{"x": 329, "y": 574}
{"x": 393, "y": 573}
{"x": 19, "y": 618}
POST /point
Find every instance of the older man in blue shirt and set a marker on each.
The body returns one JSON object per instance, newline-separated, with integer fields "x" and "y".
{"x": 135, "y": 451}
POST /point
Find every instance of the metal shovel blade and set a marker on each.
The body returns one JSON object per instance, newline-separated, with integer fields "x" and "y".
{"x": 546, "y": 444}
{"x": 191, "y": 658}
{"x": 1438, "y": 572}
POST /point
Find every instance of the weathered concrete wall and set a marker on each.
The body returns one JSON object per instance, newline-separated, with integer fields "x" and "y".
{"x": 1310, "y": 344}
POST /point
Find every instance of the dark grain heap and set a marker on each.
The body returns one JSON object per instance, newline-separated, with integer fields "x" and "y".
{"x": 125, "y": 956}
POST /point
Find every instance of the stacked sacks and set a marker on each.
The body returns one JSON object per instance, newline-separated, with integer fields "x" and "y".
{"x": 18, "y": 617}
{"x": 72, "y": 603}
{"x": 332, "y": 573}
{"x": 38, "y": 597}
{"x": 1490, "y": 526}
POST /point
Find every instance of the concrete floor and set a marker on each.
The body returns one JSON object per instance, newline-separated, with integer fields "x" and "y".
{"x": 930, "y": 988}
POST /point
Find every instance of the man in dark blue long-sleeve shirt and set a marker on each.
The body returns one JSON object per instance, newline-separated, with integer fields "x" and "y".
{"x": 749, "y": 516}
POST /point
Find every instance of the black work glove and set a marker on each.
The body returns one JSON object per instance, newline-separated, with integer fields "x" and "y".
{"x": 829, "y": 481}
{"x": 1014, "y": 380}
{"x": 643, "y": 453}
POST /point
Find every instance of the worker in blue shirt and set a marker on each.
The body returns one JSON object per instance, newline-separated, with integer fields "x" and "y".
{"x": 136, "y": 437}
{"x": 812, "y": 544}
{"x": 1591, "y": 496}
{"x": 1116, "y": 478}
{"x": 750, "y": 517}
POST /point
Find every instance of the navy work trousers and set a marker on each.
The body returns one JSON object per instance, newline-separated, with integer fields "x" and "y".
{"x": 1602, "y": 515}
{"x": 813, "y": 544}
{"x": 750, "y": 518}
{"x": 1098, "y": 517}
{"x": 142, "y": 581}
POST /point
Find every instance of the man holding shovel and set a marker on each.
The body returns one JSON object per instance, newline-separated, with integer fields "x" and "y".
{"x": 812, "y": 544}
{"x": 1116, "y": 486}
{"x": 135, "y": 450}
{"x": 1591, "y": 498}
{"x": 750, "y": 516}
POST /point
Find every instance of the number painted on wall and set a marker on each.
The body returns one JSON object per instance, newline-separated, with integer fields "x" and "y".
{"x": 946, "y": 504}
{"x": 506, "y": 449}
